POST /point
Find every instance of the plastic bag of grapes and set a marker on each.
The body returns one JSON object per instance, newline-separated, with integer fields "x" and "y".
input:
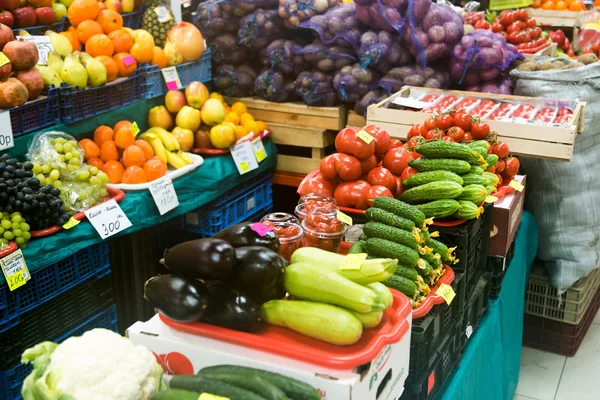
{"x": 57, "y": 153}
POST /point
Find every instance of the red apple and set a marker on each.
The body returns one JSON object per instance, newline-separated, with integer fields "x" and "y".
{"x": 45, "y": 16}
{"x": 24, "y": 17}
{"x": 102, "y": 6}
{"x": 7, "y": 19}
{"x": 114, "y": 5}
{"x": 40, "y": 3}
{"x": 9, "y": 4}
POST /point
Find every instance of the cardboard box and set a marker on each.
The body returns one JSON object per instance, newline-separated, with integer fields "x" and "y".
{"x": 507, "y": 217}
{"x": 382, "y": 379}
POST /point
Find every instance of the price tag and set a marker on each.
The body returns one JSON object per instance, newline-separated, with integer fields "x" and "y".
{"x": 344, "y": 218}
{"x": 135, "y": 129}
{"x": 365, "y": 136}
{"x": 353, "y": 261}
{"x": 516, "y": 185}
{"x": 3, "y": 59}
{"x": 163, "y": 14}
{"x": 107, "y": 218}
{"x": 259, "y": 150}
{"x": 446, "y": 292}
{"x": 243, "y": 157}
{"x": 491, "y": 199}
{"x": 6, "y": 134}
{"x": 43, "y": 44}
{"x": 208, "y": 396}
{"x": 171, "y": 78}
{"x": 469, "y": 331}
{"x": 71, "y": 223}
{"x": 164, "y": 195}
{"x": 410, "y": 102}
{"x": 261, "y": 228}
{"x": 15, "y": 270}
{"x": 129, "y": 60}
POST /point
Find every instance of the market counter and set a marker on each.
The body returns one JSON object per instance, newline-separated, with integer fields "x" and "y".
{"x": 489, "y": 368}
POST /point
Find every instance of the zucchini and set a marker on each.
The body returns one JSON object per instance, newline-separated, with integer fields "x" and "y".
{"x": 369, "y": 320}
{"x": 491, "y": 160}
{"x": 432, "y": 191}
{"x": 403, "y": 285}
{"x": 385, "y": 248}
{"x": 442, "y": 249}
{"x": 407, "y": 272}
{"x": 252, "y": 383}
{"x": 476, "y": 170}
{"x": 473, "y": 179}
{"x": 201, "y": 384}
{"x": 431, "y": 176}
{"x": 468, "y": 210}
{"x": 480, "y": 143}
{"x": 383, "y": 292}
{"x": 385, "y": 217}
{"x": 401, "y": 209}
{"x": 325, "y": 322}
{"x": 357, "y": 247}
{"x": 175, "y": 394}
{"x": 439, "y": 208}
{"x": 293, "y": 388}
{"x": 443, "y": 149}
{"x": 312, "y": 282}
{"x": 474, "y": 193}
{"x": 396, "y": 235}
{"x": 446, "y": 164}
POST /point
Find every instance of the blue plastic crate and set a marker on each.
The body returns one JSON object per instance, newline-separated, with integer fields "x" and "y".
{"x": 41, "y": 29}
{"x": 48, "y": 282}
{"x": 12, "y": 379}
{"x": 77, "y": 104}
{"x": 36, "y": 114}
{"x": 133, "y": 20}
{"x": 235, "y": 206}
{"x": 199, "y": 70}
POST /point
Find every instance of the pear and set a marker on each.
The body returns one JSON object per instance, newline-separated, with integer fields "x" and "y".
{"x": 174, "y": 56}
{"x": 60, "y": 43}
{"x": 73, "y": 73}
{"x": 96, "y": 71}
{"x": 55, "y": 62}
{"x": 49, "y": 76}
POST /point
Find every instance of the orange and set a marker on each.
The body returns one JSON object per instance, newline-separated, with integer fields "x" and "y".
{"x": 72, "y": 36}
{"x": 232, "y": 117}
{"x": 111, "y": 67}
{"x": 146, "y": 148}
{"x": 155, "y": 168}
{"x": 114, "y": 170}
{"x": 87, "y": 29}
{"x": 240, "y": 132}
{"x": 142, "y": 52}
{"x": 134, "y": 174}
{"x": 124, "y": 138}
{"x": 125, "y": 64}
{"x": 548, "y": 5}
{"x": 577, "y": 6}
{"x": 99, "y": 45}
{"x": 133, "y": 155}
{"x": 251, "y": 126}
{"x": 81, "y": 10}
{"x": 121, "y": 124}
{"x": 560, "y": 5}
{"x": 262, "y": 126}
{"x": 95, "y": 162}
{"x": 121, "y": 39}
{"x": 102, "y": 134}
{"x": 110, "y": 21}
{"x": 108, "y": 151}
{"x": 159, "y": 57}
{"x": 245, "y": 117}
{"x": 90, "y": 149}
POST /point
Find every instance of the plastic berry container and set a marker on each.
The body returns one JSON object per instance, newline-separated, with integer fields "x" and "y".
{"x": 280, "y": 217}
{"x": 324, "y": 231}
{"x": 290, "y": 237}
{"x": 316, "y": 201}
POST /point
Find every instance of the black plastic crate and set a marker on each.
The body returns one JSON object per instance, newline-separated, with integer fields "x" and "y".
{"x": 474, "y": 309}
{"x": 498, "y": 267}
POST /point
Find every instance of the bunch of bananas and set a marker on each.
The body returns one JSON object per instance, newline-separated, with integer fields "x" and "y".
{"x": 166, "y": 147}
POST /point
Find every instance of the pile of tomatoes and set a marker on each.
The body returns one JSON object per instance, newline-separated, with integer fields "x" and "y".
{"x": 518, "y": 29}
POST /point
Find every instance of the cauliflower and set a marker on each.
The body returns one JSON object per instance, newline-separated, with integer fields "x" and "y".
{"x": 99, "y": 365}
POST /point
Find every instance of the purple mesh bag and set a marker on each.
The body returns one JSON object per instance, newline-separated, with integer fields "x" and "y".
{"x": 285, "y": 56}
{"x": 316, "y": 89}
{"x": 213, "y": 21}
{"x": 433, "y": 76}
{"x": 328, "y": 58}
{"x": 226, "y": 50}
{"x": 240, "y": 8}
{"x": 339, "y": 26}
{"x": 295, "y": 11}
{"x": 352, "y": 82}
{"x": 260, "y": 28}
{"x": 235, "y": 81}
{"x": 501, "y": 85}
{"x": 379, "y": 14}
{"x": 371, "y": 97}
{"x": 274, "y": 86}
{"x": 382, "y": 50}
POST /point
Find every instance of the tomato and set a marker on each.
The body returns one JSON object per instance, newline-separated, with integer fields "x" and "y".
{"x": 396, "y": 160}
{"x": 412, "y": 143}
{"x": 480, "y": 130}
{"x": 368, "y": 164}
{"x": 468, "y": 137}
{"x": 348, "y": 142}
{"x": 381, "y": 176}
{"x": 500, "y": 165}
{"x": 448, "y": 139}
{"x": 564, "y": 111}
{"x": 434, "y": 134}
{"x": 352, "y": 194}
{"x": 316, "y": 184}
{"x": 383, "y": 140}
{"x": 417, "y": 130}
{"x": 513, "y": 38}
{"x": 378, "y": 191}
{"x": 430, "y": 98}
{"x": 462, "y": 121}
{"x": 443, "y": 121}
{"x": 522, "y": 25}
{"x": 536, "y": 32}
{"x": 482, "y": 25}
{"x": 497, "y": 28}
{"x": 429, "y": 124}
{"x": 531, "y": 22}
{"x": 512, "y": 167}
{"x": 501, "y": 150}
{"x": 514, "y": 27}
{"x": 407, "y": 173}
{"x": 456, "y": 133}
{"x": 522, "y": 14}
{"x": 492, "y": 169}
{"x": 340, "y": 166}
{"x": 395, "y": 143}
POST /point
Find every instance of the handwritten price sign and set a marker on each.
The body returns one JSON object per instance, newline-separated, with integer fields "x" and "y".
{"x": 15, "y": 270}
{"x": 107, "y": 218}
{"x": 164, "y": 195}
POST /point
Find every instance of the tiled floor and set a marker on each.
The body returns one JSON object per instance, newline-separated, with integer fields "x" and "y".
{"x": 548, "y": 376}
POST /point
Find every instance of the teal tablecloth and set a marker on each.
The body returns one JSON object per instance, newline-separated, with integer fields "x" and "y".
{"x": 489, "y": 368}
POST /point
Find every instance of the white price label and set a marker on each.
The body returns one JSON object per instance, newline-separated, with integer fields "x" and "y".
{"x": 410, "y": 102}
{"x": 259, "y": 149}
{"x": 107, "y": 218}
{"x": 171, "y": 78}
{"x": 43, "y": 44}
{"x": 243, "y": 157}
{"x": 163, "y": 14}
{"x": 164, "y": 195}
{"x": 6, "y": 134}
{"x": 15, "y": 269}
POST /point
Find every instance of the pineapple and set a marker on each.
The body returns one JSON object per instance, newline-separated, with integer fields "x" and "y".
{"x": 151, "y": 23}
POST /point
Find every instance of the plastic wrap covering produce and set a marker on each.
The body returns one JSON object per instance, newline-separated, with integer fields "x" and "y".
{"x": 285, "y": 56}
{"x": 382, "y": 14}
{"x": 382, "y": 50}
{"x": 481, "y": 56}
{"x": 235, "y": 81}
{"x": 327, "y": 58}
{"x": 338, "y": 25}
{"x": 352, "y": 82}
{"x": 212, "y": 20}
{"x": 431, "y": 30}
{"x": 433, "y": 76}
{"x": 260, "y": 28}
{"x": 240, "y": 8}
{"x": 226, "y": 50}
{"x": 500, "y": 85}
{"x": 316, "y": 88}
{"x": 274, "y": 86}
{"x": 295, "y": 11}
{"x": 372, "y": 97}
{"x": 42, "y": 150}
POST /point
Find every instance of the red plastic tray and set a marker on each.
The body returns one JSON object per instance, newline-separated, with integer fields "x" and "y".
{"x": 12, "y": 246}
{"x": 432, "y": 298}
{"x": 115, "y": 194}
{"x": 284, "y": 342}
{"x": 219, "y": 152}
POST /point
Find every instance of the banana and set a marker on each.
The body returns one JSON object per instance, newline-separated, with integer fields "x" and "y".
{"x": 185, "y": 157}
{"x": 174, "y": 160}
{"x": 157, "y": 146}
{"x": 171, "y": 144}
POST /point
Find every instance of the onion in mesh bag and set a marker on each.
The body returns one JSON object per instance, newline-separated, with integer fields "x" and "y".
{"x": 236, "y": 81}
{"x": 240, "y": 8}
{"x": 274, "y": 86}
{"x": 260, "y": 28}
{"x": 327, "y": 58}
{"x": 295, "y": 11}
{"x": 353, "y": 82}
{"x": 284, "y": 55}
{"x": 316, "y": 89}
{"x": 212, "y": 20}
{"x": 226, "y": 50}
{"x": 372, "y": 97}
{"x": 338, "y": 25}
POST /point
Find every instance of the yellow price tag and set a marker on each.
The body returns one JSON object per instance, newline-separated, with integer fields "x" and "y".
{"x": 516, "y": 185}
{"x": 134, "y": 128}
{"x": 344, "y": 218}
{"x": 71, "y": 223}
{"x": 446, "y": 292}
{"x": 244, "y": 166}
{"x": 15, "y": 270}
{"x": 208, "y": 396}
{"x": 260, "y": 155}
{"x": 491, "y": 199}
{"x": 16, "y": 281}
{"x": 364, "y": 135}
{"x": 3, "y": 59}
{"x": 353, "y": 261}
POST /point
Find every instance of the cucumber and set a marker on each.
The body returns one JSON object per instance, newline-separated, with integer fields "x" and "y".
{"x": 385, "y": 217}
{"x": 254, "y": 384}
{"x": 201, "y": 384}
{"x": 480, "y": 143}
{"x": 369, "y": 320}
{"x": 401, "y": 209}
{"x": 473, "y": 179}
{"x": 362, "y": 237}
{"x": 442, "y": 149}
{"x": 325, "y": 322}
{"x": 441, "y": 248}
{"x": 383, "y": 292}
{"x": 385, "y": 248}
{"x": 424, "y": 268}
{"x": 474, "y": 193}
{"x": 407, "y": 272}
{"x": 432, "y": 191}
{"x": 396, "y": 235}
{"x": 312, "y": 282}
{"x": 294, "y": 389}
{"x": 403, "y": 285}
{"x": 439, "y": 208}
{"x": 446, "y": 164}
{"x": 434, "y": 259}
{"x": 476, "y": 170}
{"x": 468, "y": 210}
{"x": 175, "y": 394}
{"x": 491, "y": 160}
{"x": 431, "y": 176}
{"x": 357, "y": 247}
{"x": 479, "y": 150}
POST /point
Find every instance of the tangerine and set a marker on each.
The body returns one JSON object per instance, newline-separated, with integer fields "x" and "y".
{"x": 155, "y": 168}
{"x": 82, "y": 10}
{"x": 121, "y": 124}
{"x": 142, "y": 52}
{"x": 121, "y": 40}
{"x": 245, "y": 117}
{"x": 240, "y": 132}
{"x": 126, "y": 64}
{"x": 134, "y": 174}
{"x": 239, "y": 107}
{"x": 133, "y": 155}
{"x": 124, "y": 138}
{"x": 262, "y": 126}
{"x": 114, "y": 170}
{"x": 87, "y": 29}
{"x": 110, "y": 20}
{"x": 251, "y": 126}
{"x": 111, "y": 67}
{"x": 560, "y": 5}
{"x": 577, "y": 6}
{"x": 146, "y": 148}
{"x": 232, "y": 117}
{"x": 95, "y": 162}
{"x": 548, "y": 5}
{"x": 102, "y": 134}
{"x": 99, "y": 45}
{"x": 108, "y": 151}
{"x": 159, "y": 57}
{"x": 90, "y": 149}
{"x": 72, "y": 36}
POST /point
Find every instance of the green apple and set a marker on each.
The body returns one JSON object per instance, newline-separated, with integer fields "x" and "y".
{"x": 60, "y": 9}
{"x": 66, "y": 3}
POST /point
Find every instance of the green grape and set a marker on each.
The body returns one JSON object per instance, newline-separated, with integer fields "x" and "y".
{"x": 17, "y": 232}
{"x": 14, "y": 225}
{"x": 73, "y": 143}
{"x": 37, "y": 168}
{"x": 82, "y": 195}
{"x": 60, "y": 140}
{"x": 6, "y": 224}
{"x": 103, "y": 177}
{"x": 24, "y": 226}
{"x": 83, "y": 175}
{"x": 94, "y": 170}
{"x": 74, "y": 161}
{"x": 55, "y": 174}
{"x": 17, "y": 218}
{"x": 46, "y": 169}
{"x": 94, "y": 180}
{"x": 67, "y": 147}
{"x": 20, "y": 240}
{"x": 54, "y": 165}
{"x": 68, "y": 156}
{"x": 49, "y": 181}
{"x": 8, "y": 235}
{"x": 62, "y": 157}
{"x": 103, "y": 193}
{"x": 1, "y": 230}
{"x": 58, "y": 147}
{"x": 26, "y": 235}
{"x": 72, "y": 168}
{"x": 75, "y": 154}
{"x": 3, "y": 243}
{"x": 57, "y": 184}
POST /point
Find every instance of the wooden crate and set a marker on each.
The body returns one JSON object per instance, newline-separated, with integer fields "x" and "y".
{"x": 549, "y": 51}
{"x": 531, "y": 140}
{"x": 558, "y": 19}
{"x": 297, "y": 114}
{"x": 355, "y": 120}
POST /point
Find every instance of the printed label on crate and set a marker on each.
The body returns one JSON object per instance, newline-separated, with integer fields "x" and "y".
{"x": 261, "y": 228}
{"x": 107, "y": 218}
{"x": 516, "y": 185}
{"x": 469, "y": 331}
{"x": 71, "y": 223}
{"x": 129, "y": 60}
{"x": 6, "y": 133}
{"x": 171, "y": 78}
{"x": 163, "y": 13}
{"x": 259, "y": 149}
{"x": 135, "y": 129}
{"x": 15, "y": 269}
{"x": 164, "y": 195}
{"x": 243, "y": 157}
{"x": 365, "y": 136}
{"x": 446, "y": 292}
{"x": 3, "y": 59}
{"x": 43, "y": 44}
{"x": 353, "y": 261}
{"x": 208, "y": 396}
{"x": 346, "y": 219}
{"x": 410, "y": 102}
{"x": 491, "y": 199}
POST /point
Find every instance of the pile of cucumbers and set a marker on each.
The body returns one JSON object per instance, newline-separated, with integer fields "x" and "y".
{"x": 398, "y": 230}
{"x": 452, "y": 180}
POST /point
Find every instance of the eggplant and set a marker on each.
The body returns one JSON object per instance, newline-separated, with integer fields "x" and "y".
{"x": 259, "y": 273}
{"x": 177, "y": 298}
{"x": 209, "y": 259}
{"x": 232, "y": 309}
{"x": 242, "y": 235}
